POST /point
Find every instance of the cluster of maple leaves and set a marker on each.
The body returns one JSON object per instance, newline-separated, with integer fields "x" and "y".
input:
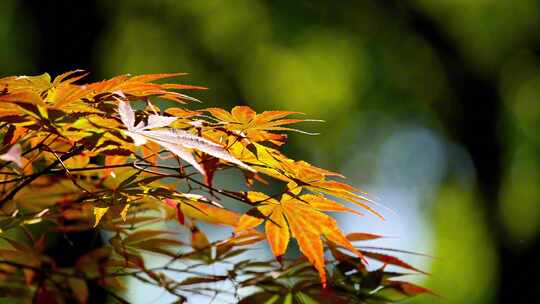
{"x": 80, "y": 156}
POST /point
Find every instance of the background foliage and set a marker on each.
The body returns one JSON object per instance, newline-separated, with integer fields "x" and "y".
{"x": 431, "y": 105}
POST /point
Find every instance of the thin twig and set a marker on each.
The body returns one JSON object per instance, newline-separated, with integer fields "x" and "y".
{"x": 30, "y": 179}
{"x": 68, "y": 173}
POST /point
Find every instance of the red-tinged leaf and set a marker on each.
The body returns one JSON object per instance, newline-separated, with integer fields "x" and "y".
{"x": 391, "y": 260}
{"x": 118, "y": 152}
{"x": 46, "y": 296}
{"x": 342, "y": 257}
{"x": 210, "y": 165}
{"x": 178, "y": 209}
{"x": 408, "y": 289}
{"x": 361, "y": 236}
{"x": 40, "y": 244}
{"x": 180, "y": 215}
{"x": 200, "y": 280}
{"x": 394, "y": 250}
{"x": 171, "y": 203}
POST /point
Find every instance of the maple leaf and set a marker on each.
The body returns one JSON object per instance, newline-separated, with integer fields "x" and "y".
{"x": 407, "y": 288}
{"x": 78, "y": 164}
{"x": 177, "y": 141}
{"x": 258, "y": 127}
{"x": 142, "y": 86}
{"x": 301, "y": 214}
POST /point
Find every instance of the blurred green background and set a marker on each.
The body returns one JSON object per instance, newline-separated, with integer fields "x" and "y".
{"x": 432, "y": 106}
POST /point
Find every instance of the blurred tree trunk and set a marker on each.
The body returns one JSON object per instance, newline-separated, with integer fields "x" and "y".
{"x": 64, "y": 38}
{"x": 476, "y": 126}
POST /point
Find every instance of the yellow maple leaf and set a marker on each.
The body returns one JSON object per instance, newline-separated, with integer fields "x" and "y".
{"x": 298, "y": 216}
{"x": 98, "y": 214}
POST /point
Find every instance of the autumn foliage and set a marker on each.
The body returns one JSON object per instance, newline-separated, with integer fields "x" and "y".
{"x": 105, "y": 156}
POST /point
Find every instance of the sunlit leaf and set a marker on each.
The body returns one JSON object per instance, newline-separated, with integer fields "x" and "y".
{"x": 88, "y": 154}
{"x": 124, "y": 212}
{"x": 99, "y": 212}
{"x": 277, "y": 232}
{"x": 177, "y": 141}
{"x": 362, "y": 236}
{"x": 308, "y": 240}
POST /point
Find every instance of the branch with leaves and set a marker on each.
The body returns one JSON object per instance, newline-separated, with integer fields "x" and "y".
{"x": 80, "y": 157}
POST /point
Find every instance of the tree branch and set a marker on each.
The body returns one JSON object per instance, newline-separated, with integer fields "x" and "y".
{"x": 31, "y": 178}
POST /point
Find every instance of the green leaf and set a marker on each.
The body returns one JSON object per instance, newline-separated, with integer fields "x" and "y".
{"x": 288, "y": 299}
{"x": 304, "y": 298}
{"x": 272, "y": 300}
